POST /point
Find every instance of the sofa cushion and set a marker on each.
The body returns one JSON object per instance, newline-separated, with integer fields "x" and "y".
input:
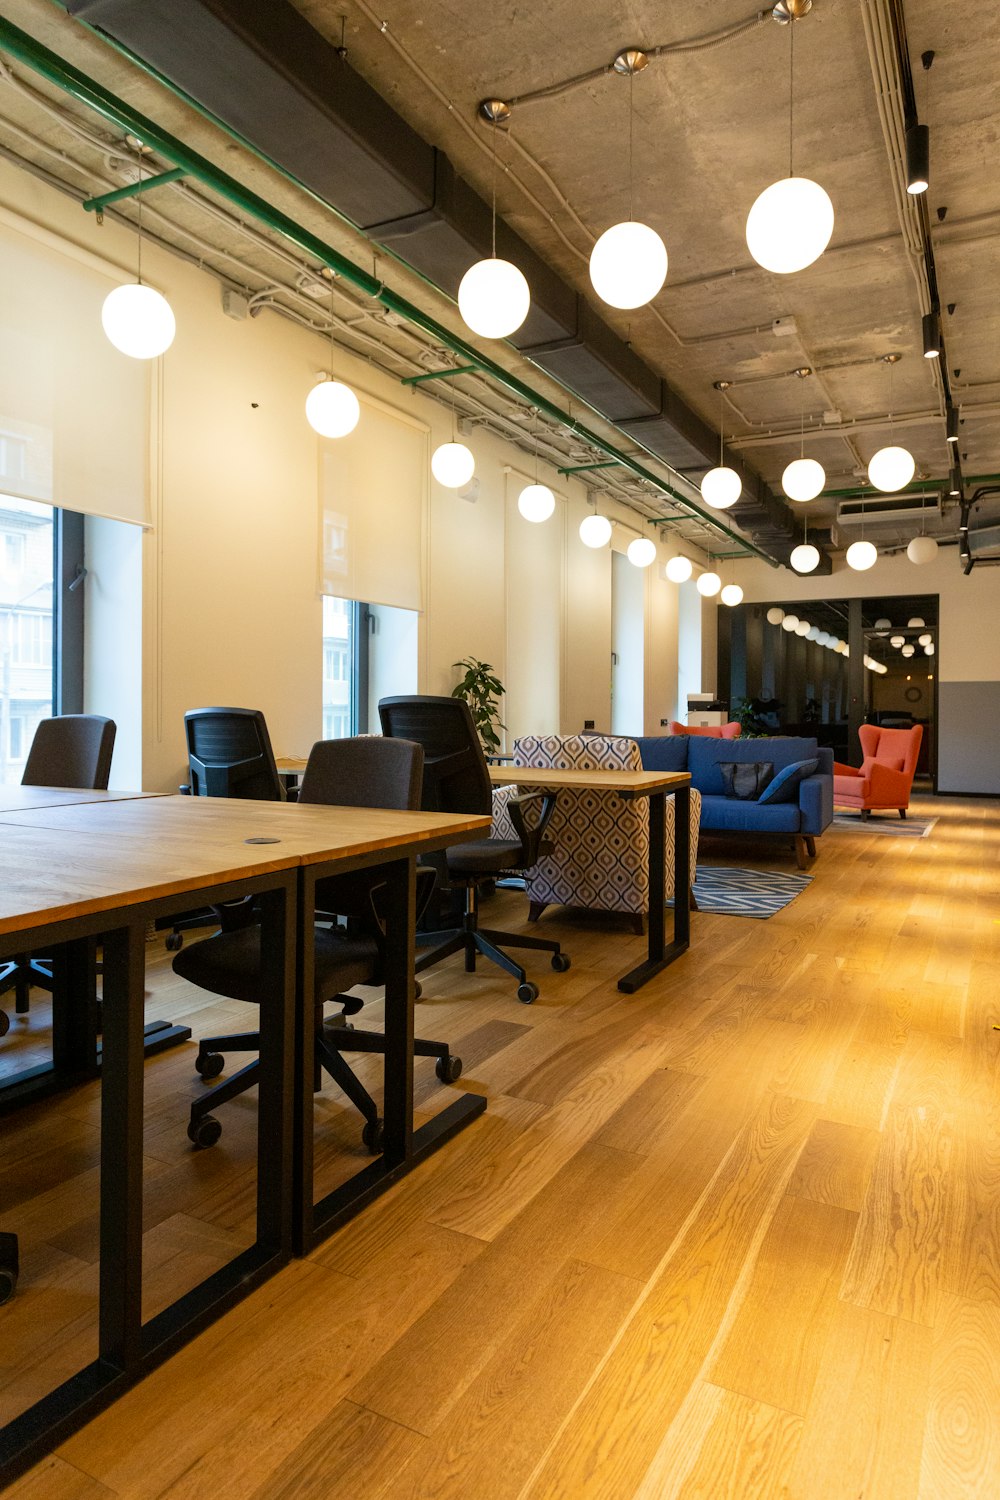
{"x": 704, "y": 756}
{"x": 725, "y": 814}
{"x": 664, "y": 752}
{"x": 730, "y": 731}
{"x": 745, "y": 779}
{"x": 785, "y": 786}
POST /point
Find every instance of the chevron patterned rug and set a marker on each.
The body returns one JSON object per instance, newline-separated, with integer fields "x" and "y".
{"x": 746, "y": 893}
{"x": 890, "y": 823}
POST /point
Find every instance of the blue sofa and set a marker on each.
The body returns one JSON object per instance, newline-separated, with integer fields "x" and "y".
{"x": 800, "y": 820}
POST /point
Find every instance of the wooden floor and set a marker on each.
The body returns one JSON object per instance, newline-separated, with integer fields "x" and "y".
{"x": 735, "y": 1236}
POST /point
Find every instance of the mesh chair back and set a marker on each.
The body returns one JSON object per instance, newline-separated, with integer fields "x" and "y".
{"x": 455, "y": 776}
{"x": 364, "y": 772}
{"x": 230, "y": 755}
{"x": 73, "y": 750}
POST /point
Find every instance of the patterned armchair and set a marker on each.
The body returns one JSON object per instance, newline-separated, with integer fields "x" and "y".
{"x": 601, "y": 854}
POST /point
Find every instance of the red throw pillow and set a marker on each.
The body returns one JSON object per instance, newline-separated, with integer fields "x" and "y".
{"x": 710, "y": 731}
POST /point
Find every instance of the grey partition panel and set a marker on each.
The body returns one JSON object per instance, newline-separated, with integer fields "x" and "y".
{"x": 969, "y": 737}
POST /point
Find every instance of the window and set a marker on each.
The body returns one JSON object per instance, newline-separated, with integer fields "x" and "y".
{"x": 369, "y": 652}
{"x": 339, "y": 636}
{"x": 13, "y": 551}
{"x": 15, "y": 739}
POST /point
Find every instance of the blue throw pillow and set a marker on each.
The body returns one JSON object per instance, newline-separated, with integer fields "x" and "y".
{"x": 784, "y": 787}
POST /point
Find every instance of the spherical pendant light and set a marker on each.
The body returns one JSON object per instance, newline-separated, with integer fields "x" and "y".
{"x": 732, "y": 595}
{"x": 929, "y": 650}
{"x": 679, "y": 569}
{"x": 536, "y": 502}
{"x": 790, "y": 225}
{"x": 595, "y": 531}
{"x": 628, "y": 265}
{"x": 709, "y": 585}
{"x": 925, "y": 639}
{"x": 803, "y": 628}
{"x": 493, "y": 298}
{"x": 803, "y": 479}
{"x": 897, "y": 641}
{"x": 775, "y": 615}
{"x": 891, "y": 469}
{"x": 882, "y": 627}
{"x": 908, "y": 650}
{"x": 922, "y": 549}
{"x": 804, "y": 557}
{"x": 138, "y": 321}
{"x": 332, "y": 409}
{"x": 915, "y": 622}
{"x": 641, "y": 552}
{"x": 452, "y": 465}
{"x": 861, "y": 556}
{"x": 812, "y": 634}
{"x": 721, "y": 488}
{"x": 789, "y": 622}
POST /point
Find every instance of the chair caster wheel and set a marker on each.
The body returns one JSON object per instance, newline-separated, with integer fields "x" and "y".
{"x": 209, "y": 1064}
{"x": 4, "y": 1023}
{"x": 448, "y": 1069}
{"x": 527, "y": 993}
{"x": 372, "y": 1136}
{"x": 8, "y": 1266}
{"x": 175, "y": 940}
{"x": 560, "y": 962}
{"x": 204, "y": 1132}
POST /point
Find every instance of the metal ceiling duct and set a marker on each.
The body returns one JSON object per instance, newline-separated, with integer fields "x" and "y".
{"x": 260, "y": 68}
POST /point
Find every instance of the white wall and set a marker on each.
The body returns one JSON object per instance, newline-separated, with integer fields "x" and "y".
{"x": 628, "y": 639}
{"x": 231, "y": 611}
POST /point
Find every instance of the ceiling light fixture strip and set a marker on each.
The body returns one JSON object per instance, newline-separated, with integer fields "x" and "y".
{"x": 71, "y": 80}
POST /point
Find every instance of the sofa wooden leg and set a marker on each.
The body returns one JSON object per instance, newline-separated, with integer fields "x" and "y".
{"x": 811, "y": 845}
{"x": 800, "y": 851}
{"x": 902, "y": 812}
{"x": 638, "y": 922}
{"x": 866, "y": 813}
{"x": 535, "y": 909}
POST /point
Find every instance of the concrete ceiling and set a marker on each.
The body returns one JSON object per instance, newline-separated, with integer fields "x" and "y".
{"x": 710, "y": 131}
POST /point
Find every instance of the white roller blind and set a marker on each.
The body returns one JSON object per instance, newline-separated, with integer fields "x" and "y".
{"x": 372, "y": 489}
{"x": 73, "y": 410}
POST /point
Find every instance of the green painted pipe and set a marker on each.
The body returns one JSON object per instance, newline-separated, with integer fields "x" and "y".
{"x": 98, "y": 205}
{"x": 916, "y": 487}
{"x": 437, "y": 375}
{"x": 190, "y": 163}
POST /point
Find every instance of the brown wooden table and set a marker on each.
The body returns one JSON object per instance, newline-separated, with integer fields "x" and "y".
{"x": 72, "y": 873}
{"x": 20, "y": 798}
{"x": 631, "y": 785}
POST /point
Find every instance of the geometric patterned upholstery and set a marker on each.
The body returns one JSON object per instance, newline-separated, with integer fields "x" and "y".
{"x": 601, "y": 854}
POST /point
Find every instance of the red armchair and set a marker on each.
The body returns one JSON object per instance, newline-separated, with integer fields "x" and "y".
{"x": 886, "y": 774}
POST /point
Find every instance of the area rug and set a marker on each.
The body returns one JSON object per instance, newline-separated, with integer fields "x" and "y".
{"x": 890, "y": 823}
{"x": 746, "y": 893}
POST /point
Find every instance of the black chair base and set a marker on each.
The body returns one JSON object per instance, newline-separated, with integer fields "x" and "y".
{"x": 475, "y": 941}
{"x": 20, "y": 975}
{"x": 331, "y": 1037}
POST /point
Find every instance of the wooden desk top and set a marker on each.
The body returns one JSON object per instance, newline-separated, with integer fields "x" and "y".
{"x": 19, "y": 798}
{"x": 291, "y": 765}
{"x": 627, "y": 783}
{"x": 70, "y": 860}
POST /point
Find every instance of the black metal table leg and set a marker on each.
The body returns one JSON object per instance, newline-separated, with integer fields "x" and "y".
{"x": 659, "y": 955}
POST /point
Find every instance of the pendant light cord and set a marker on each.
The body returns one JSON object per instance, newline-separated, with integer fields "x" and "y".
{"x": 631, "y": 127}
{"x": 722, "y": 440}
{"x": 138, "y": 274}
{"x": 494, "y": 189}
{"x": 791, "y": 90}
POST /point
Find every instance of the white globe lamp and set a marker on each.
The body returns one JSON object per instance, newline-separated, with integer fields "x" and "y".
{"x": 641, "y": 552}
{"x": 595, "y": 531}
{"x": 732, "y": 595}
{"x": 891, "y": 469}
{"x": 804, "y": 557}
{"x": 789, "y": 225}
{"x": 709, "y": 585}
{"x": 721, "y": 488}
{"x": 332, "y": 409}
{"x": 882, "y": 627}
{"x": 813, "y": 633}
{"x": 861, "y": 556}
{"x": 679, "y": 569}
{"x": 789, "y": 622}
{"x": 929, "y": 650}
{"x": 452, "y": 465}
{"x": 628, "y": 265}
{"x": 922, "y": 549}
{"x": 138, "y": 321}
{"x": 916, "y": 622}
{"x": 908, "y": 650}
{"x": 925, "y": 639}
{"x": 493, "y": 298}
{"x": 803, "y": 628}
{"x": 775, "y": 615}
{"x": 897, "y": 641}
{"x": 536, "y": 502}
{"x": 803, "y": 479}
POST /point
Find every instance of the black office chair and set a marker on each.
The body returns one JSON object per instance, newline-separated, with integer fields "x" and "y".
{"x": 364, "y": 772}
{"x": 229, "y": 755}
{"x": 72, "y": 750}
{"x": 456, "y": 780}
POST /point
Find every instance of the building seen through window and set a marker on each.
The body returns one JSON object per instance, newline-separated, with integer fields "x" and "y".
{"x": 338, "y": 651}
{"x": 26, "y": 555}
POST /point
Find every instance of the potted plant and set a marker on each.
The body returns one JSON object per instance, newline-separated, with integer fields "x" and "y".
{"x": 482, "y": 690}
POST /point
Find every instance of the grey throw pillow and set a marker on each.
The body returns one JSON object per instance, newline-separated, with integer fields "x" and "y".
{"x": 745, "y": 779}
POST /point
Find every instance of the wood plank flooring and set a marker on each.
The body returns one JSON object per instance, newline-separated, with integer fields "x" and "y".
{"x": 735, "y": 1236}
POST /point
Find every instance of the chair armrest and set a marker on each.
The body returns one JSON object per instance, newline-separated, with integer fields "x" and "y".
{"x": 888, "y": 784}
{"x": 816, "y": 803}
{"x": 842, "y": 770}
{"x": 531, "y": 838}
{"x": 184, "y": 790}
